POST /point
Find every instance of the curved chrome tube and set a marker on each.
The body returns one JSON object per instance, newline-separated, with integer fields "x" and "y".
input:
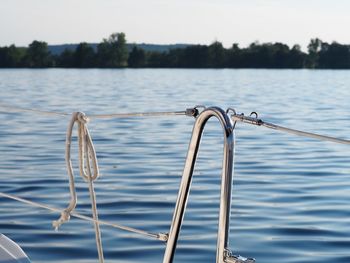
{"x": 226, "y": 183}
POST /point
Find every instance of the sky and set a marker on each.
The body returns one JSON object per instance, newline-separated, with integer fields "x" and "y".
{"x": 175, "y": 21}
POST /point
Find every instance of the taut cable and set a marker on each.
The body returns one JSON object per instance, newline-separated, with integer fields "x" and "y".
{"x": 159, "y": 236}
{"x": 192, "y": 112}
{"x": 259, "y": 122}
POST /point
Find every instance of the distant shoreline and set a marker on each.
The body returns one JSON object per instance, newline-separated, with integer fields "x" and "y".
{"x": 136, "y": 69}
{"x": 115, "y": 52}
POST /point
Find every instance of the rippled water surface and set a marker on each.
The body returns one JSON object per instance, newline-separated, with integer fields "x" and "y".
{"x": 291, "y": 195}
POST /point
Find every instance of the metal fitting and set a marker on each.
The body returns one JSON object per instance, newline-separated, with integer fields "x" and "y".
{"x": 238, "y": 259}
{"x": 230, "y": 258}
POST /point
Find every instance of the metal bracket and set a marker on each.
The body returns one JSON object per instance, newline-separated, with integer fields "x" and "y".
{"x": 239, "y": 259}
{"x": 192, "y": 112}
{"x": 229, "y": 258}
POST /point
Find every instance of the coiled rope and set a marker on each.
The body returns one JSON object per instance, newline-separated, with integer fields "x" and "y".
{"x": 89, "y": 171}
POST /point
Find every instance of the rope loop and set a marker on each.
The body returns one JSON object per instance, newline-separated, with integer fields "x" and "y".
{"x": 82, "y": 118}
{"x": 87, "y": 153}
{"x": 89, "y": 171}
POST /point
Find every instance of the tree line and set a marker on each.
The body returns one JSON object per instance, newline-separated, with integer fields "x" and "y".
{"x": 113, "y": 52}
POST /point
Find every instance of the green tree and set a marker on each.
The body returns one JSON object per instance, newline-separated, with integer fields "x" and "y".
{"x": 217, "y": 55}
{"x": 172, "y": 58}
{"x": 38, "y": 55}
{"x": 297, "y": 58}
{"x": 314, "y": 45}
{"x": 195, "y": 56}
{"x": 66, "y": 59}
{"x": 257, "y": 56}
{"x": 11, "y": 57}
{"x": 334, "y": 56}
{"x": 113, "y": 52}
{"x": 156, "y": 59}
{"x": 84, "y": 56}
{"x": 137, "y": 58}
{"x": 267, "y": 55}
{"x": 280, "y": 55}
{"x": 314, "y": 48}
{"x": 234, "y": 56}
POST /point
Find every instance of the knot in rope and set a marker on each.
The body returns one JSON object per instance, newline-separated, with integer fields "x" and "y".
{"x": 82, "y": 118}
{"x": 65, "y": 216}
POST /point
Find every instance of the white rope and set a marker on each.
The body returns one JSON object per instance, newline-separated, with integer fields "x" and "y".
{"x": 187, "y": 112}
{"x": 160, "y": 236}
{"x": 87, "y": 153}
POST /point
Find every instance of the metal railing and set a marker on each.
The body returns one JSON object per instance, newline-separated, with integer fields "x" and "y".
{"x": 226, "y": 183}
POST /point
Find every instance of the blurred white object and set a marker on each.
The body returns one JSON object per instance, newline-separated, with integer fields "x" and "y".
{"x": 10, "y": 252}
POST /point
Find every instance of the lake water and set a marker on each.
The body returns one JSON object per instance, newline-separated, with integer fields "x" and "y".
{"x": 291, "y": 195}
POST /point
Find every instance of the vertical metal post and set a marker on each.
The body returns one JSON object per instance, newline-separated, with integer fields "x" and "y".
{"x": 226, "y": 183}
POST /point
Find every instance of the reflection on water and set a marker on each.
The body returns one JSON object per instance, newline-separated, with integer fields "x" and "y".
{"x": 290, "y": 194}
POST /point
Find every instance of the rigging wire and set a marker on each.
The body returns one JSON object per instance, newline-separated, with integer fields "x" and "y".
{"x": 259, "y": 122}
{"x": 159, "y": 236}
{"x": 187, "y": 112}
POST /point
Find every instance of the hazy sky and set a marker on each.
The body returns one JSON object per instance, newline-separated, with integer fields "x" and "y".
{"x": 174, "y": 21}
